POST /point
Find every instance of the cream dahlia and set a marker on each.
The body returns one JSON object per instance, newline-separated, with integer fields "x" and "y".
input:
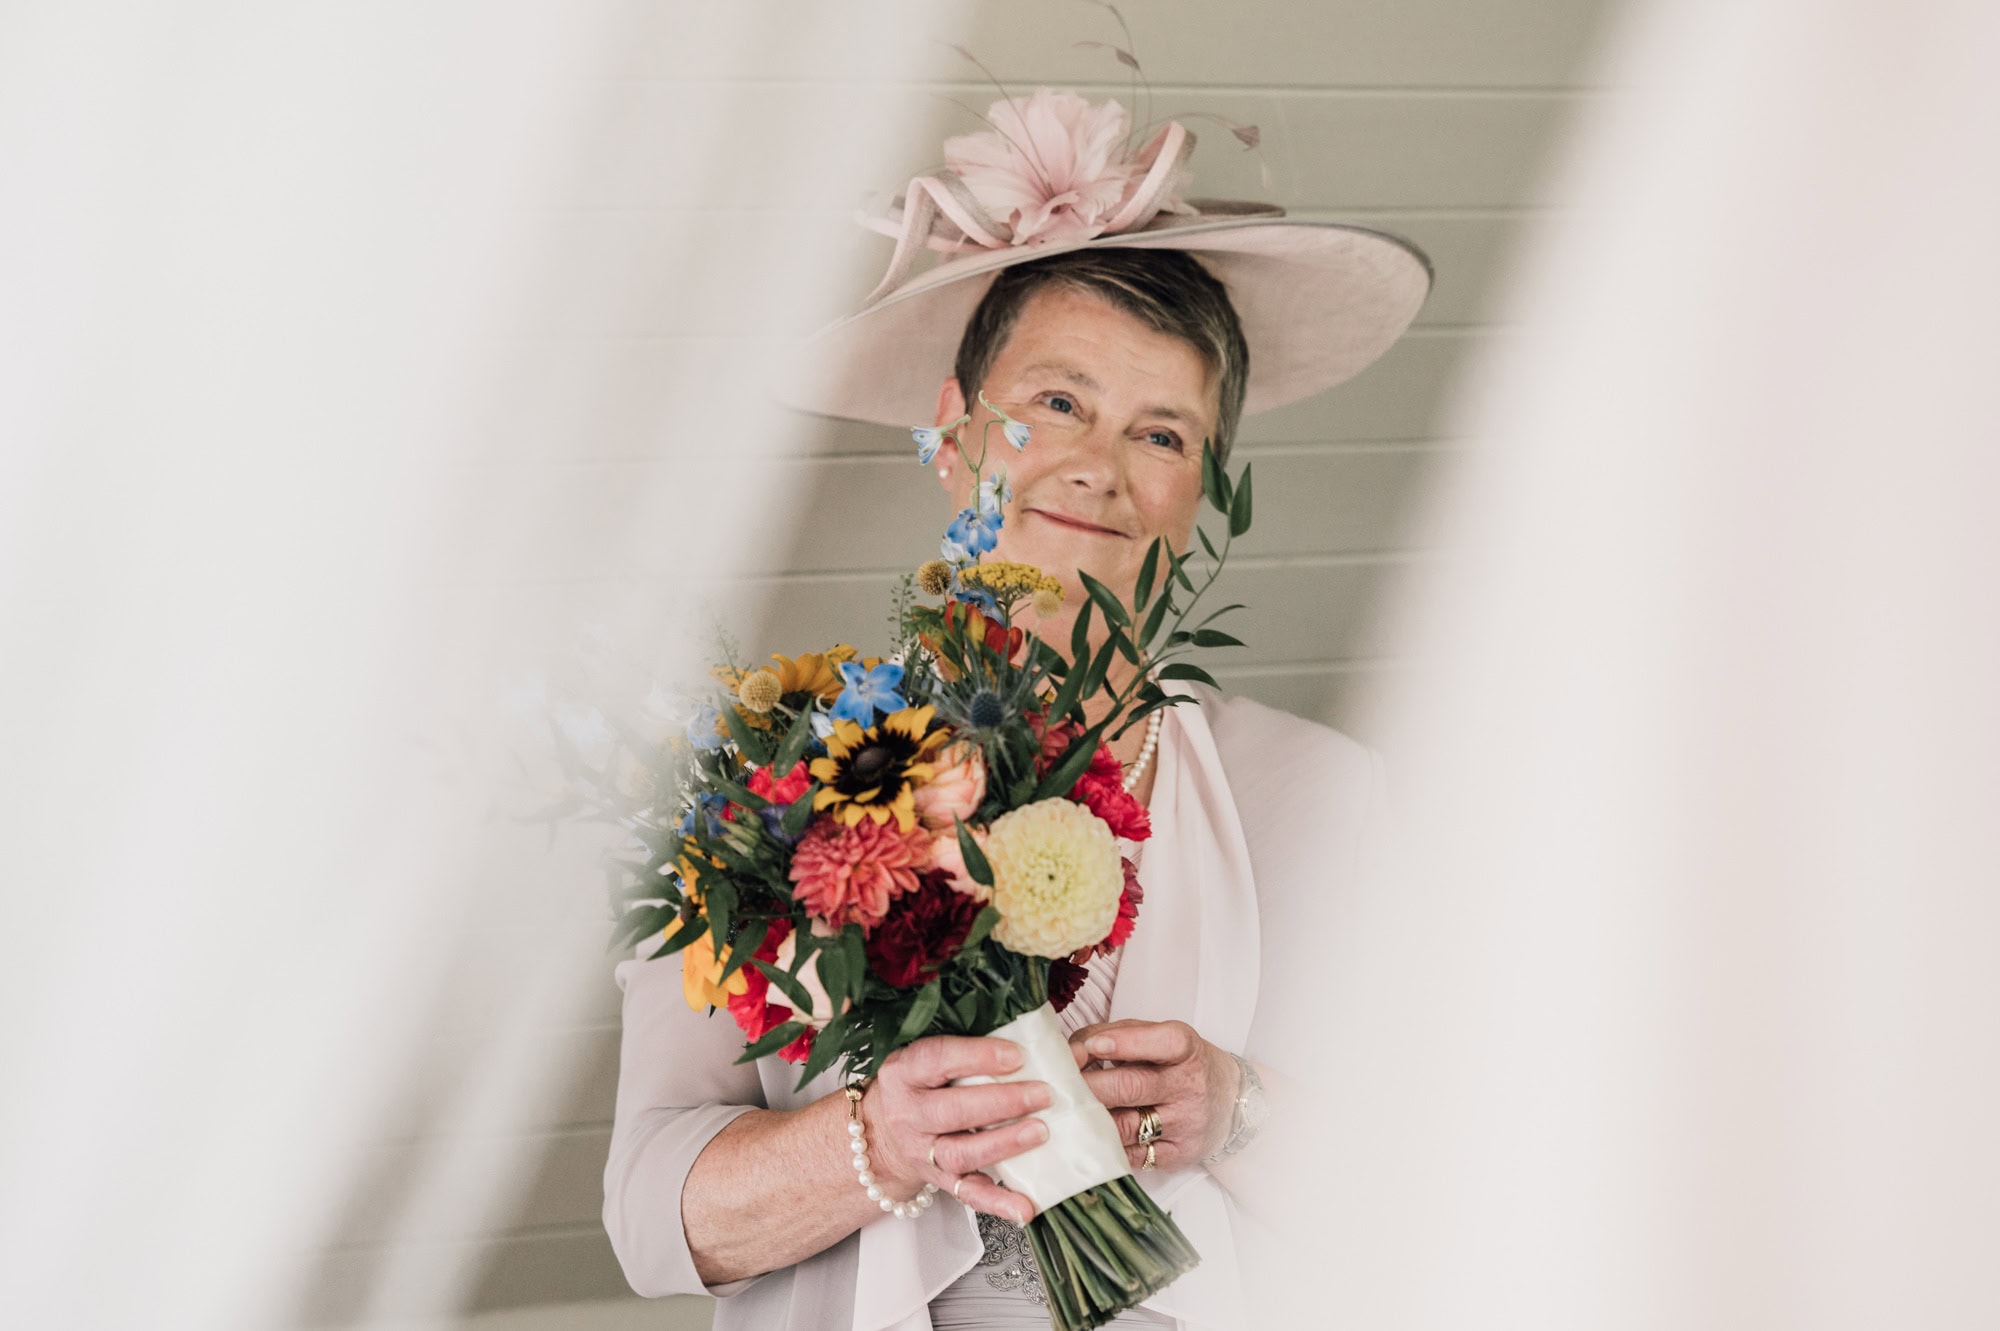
{"x": 1057, "y": 878}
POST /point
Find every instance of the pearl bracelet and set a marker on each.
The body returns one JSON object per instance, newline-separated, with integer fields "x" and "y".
{"x": 857, "y": 1142}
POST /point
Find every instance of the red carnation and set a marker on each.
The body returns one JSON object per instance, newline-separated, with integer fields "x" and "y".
{"x": 1101, "y": 788}
{"x": 781, "y": 793}
{"x": 1054, "y": 739}
{"x": 799, "y": 1050}
{"x": 921, "y": 932}
{"x": 1128, "y": 917}
{"x": 1065, "y": 982}
{"x": 755, "y": 1016}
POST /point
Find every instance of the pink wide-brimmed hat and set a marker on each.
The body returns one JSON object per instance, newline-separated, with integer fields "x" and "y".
{"x": 1319, "y": 301}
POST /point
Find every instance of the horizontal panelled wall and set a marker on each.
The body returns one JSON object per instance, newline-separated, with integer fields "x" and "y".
{"x": 1430, "y": 118}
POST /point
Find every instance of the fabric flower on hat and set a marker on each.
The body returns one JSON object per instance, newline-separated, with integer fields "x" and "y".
{"x": 1057, "y": 878}
{"x": 1054, "y": 168}
{"x": 849, "y": 875}
{"x": 921, "y": 932}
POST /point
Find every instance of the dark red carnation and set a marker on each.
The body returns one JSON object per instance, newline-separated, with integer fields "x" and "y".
{"x": 922, "y": 930}
{"x": 1054, "y": 739}
{"x": 1128, "y": 916}
{"x": 1065, "y": 982}
{"x": 753, "y": 1014}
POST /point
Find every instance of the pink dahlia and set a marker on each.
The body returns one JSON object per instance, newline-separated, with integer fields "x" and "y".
{"x": 850, "y": 874}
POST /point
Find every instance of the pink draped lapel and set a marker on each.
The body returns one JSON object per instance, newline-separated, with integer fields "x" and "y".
{"x": 1194, "y": 955}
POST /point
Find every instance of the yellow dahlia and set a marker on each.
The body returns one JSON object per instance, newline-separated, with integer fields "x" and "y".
{"x": 874, "y": 773}
{"x": 1056, "y": 878}
{"x": 701, "y": 967}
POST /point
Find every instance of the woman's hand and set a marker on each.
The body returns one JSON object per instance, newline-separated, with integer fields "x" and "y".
{"x": 912, "y": 1110}
{"x": 1165, "y": 1066}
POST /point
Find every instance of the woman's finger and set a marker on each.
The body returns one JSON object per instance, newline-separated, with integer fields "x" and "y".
{"x": 964, "y": 1152}
{"x": 1129, "y": 1084}
{"x": 959, "y": 1108}
{"x": 983, "y": 1194}
{"x": 939, "y": 1060}
{"x": 1140, "y": 1042}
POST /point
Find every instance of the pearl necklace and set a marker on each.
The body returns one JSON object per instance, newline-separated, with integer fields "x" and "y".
{"x": 1138, "y": 769}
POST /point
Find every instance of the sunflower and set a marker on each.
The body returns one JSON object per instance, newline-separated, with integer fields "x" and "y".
{"x": 801, "y": 680}
{"x": 874, "y": 773}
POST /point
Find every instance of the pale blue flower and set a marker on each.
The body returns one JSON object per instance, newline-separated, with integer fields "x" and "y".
{"x": 710, "y": 808}
{"x": 929, "y": 440}
{"x": 973, "y": 531}
{"x": 868, "y": 691}
{"x": 955, "y": 554}
{"x": 1016, "y": 432}
{"x": 822, "y": 725}
{"x": 994, "y": 491}
{"x": 701, "y": 728}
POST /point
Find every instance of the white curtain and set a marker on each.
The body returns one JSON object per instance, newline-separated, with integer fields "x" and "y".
{"x": 1682, "y": 1011}
{"x": 279, "y": 523}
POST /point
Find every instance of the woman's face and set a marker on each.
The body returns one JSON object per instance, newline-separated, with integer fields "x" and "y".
{"x": 1118, "y": 413}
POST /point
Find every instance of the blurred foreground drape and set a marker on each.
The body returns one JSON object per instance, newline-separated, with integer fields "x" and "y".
{"x": 278, "y": 535}
{"x": 1682, "y": 1009}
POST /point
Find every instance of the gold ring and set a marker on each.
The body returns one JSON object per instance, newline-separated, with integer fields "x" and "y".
{"x": 1149, "y": 1127}
{"x": 933, "y": 1153}
{"x": 955, "y": 1187}
{"x": 1151, "y": 1162}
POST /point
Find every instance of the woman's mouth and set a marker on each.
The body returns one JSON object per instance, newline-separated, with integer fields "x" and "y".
{"x": 1075, "y": 524}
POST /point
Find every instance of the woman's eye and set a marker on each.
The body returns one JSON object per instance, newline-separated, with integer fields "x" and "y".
{"x": 1062, "y": 402}
{"x": 1164, "y": 439}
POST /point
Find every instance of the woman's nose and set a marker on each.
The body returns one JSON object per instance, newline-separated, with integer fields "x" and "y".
{"x": 1091, "y": 458}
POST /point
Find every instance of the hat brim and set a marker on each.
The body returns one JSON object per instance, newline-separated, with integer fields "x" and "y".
{"x": 1319, "y": 302}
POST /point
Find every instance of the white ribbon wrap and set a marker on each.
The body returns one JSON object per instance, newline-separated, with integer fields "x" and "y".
{"x": 1083, "y": 1149}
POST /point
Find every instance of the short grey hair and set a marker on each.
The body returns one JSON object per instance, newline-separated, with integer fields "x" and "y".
{"x": 1168, "y": 290}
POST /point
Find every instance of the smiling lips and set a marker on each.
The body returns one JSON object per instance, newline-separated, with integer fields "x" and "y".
{"x": 1075, "y": 524}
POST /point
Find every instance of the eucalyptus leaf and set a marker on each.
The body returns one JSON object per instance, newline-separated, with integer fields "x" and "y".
{"x": 797, "y": 739}
{"x": 1239, "y": 504}
{"x": 1186, "y": 670}
{"x": 1079, "y": 635}
{"x": 787, "y": 985}
{"x": 982, "y": 925}
{"x": 681, "y": 938}
{"x": 1215, "y": 638}
{"x": 1214, "y": 481}
{"x": 744, "y": 948}
{"x": 772, "y": 1041}
{"x": 975, "y": 858}
{"x": 1148, "y": 568}
{"x": 1208, "y": 545}
{"x": 1107, "y": 600}
{"x": 798, "y": 813}
{"x": 918, "y": 1019}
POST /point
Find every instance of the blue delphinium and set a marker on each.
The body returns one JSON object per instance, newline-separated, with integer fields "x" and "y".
{"x": 701, "y": 730}
{"x": 929, "y": 441}
{"x": 868, "y": 691}
{"x": 710, "y": 808}
{"x": 973, "y": 532}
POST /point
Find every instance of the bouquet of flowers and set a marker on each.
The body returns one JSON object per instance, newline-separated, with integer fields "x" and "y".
{"x": 850, "y": 854}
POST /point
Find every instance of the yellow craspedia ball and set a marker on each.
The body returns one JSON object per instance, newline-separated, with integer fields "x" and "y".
{"x": 760, "y": 691}
{"x": 934, "y": 577}
{"x": 1056, "y": 878}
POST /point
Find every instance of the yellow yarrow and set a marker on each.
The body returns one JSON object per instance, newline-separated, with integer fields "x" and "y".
{"x": 1009, "y": 581}
{"x": 1056, "y": 878}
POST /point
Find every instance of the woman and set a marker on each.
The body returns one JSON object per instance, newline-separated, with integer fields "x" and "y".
{"x": 1124, "y": 353}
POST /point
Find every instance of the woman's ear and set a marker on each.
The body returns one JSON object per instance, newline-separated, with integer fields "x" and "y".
{"x": 950, "y": 406}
